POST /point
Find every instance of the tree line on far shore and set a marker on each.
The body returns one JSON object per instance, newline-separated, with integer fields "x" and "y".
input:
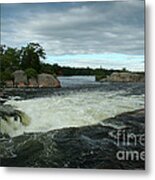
{"x": 30, "y": 59}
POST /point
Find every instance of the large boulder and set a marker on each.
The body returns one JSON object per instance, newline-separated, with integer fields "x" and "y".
{"x": 33, "y": 82}
{"x": 9, "y": 83}
{"x": 20, "y": 78}
{"x": 42, "y": 80}
{"x": 126, "y": 77}
{"x": 8, "y": 116}
{"x": 48, "y": 80}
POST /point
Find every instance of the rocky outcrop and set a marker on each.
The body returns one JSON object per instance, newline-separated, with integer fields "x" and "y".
{"x": 33, "y": 82}
{"x": 8, "y": 113}
{"x": 125, "y": 77}
{"x": 9, "y": 83}
{"x": 48, "y": 80}
{"x": 42, "y": 80}
{"x": 20, "y": 78}
{"x": 100, "y": 146}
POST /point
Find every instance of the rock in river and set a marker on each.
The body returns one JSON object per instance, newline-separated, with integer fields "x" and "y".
{"x": 126, "y": 77}
{"x": 48, "y": 80}
{"x": 20, "y": 78}
{"x": 9, "y": 113}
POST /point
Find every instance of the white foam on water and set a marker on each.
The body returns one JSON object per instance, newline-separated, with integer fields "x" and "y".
{"x": 72, "y": 110}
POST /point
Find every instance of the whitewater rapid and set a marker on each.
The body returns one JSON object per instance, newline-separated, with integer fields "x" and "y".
{"x": 71, "y": 110}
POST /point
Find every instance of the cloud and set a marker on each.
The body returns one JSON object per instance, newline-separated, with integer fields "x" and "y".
{"x": 76, "y": 28}
{"x": 80, "y": 28}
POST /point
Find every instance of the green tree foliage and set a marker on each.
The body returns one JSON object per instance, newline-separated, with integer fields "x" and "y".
{"x": 124, "y": 69}
{"x": 6, "y": 75}
{"x": 57, "y": 69}
{"x": 9, "y": 62}
{"x": 9, "y": 58}
{"x": 31, "y": 56}
{"x": 30, "y": 72}
{"x": 27, "y": 58}
{"x": 47, "y": 68}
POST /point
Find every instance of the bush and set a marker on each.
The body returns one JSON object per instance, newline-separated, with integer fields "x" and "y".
{"x": 30, "y": 72}
{"x": 6, "y": 75}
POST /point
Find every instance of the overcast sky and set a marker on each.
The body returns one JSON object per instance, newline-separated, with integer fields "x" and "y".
{"x": 94, "y": 34}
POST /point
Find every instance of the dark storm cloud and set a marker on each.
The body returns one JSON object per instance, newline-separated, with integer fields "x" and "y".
{"x": 76, "y": 28}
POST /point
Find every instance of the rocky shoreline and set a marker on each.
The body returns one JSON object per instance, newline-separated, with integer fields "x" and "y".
{"x": 123, "y": 77}
{"x": 21, "y": 80}
{"x": 100, "y": 146}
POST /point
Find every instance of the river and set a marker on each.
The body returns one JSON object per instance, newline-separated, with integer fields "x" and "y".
{"x": 81, "y": 101}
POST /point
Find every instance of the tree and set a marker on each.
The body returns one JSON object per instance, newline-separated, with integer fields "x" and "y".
{"x": 47, "y": 68}
{"x": 9, "y": 62}
{"x": 124, "y": 69}
{"x": 9, "y": 58}
{"x": 30, "y": 72}
{"x": 31, "y": 56}
{"x": 56, "y": 69}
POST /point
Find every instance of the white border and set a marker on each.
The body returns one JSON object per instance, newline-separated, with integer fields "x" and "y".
{"x": 67, "y": 174}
